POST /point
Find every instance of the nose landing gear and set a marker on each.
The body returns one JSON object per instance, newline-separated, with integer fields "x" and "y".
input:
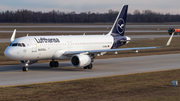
{"x": 25, "y": 68}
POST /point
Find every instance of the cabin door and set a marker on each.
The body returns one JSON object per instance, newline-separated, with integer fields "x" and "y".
{"x": 33, "y": 44}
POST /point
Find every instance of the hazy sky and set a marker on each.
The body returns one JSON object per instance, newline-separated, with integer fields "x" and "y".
{"x": 163, "y": 6}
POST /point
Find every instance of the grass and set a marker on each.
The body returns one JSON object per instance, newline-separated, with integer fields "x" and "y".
{"x": 152, "y": 86}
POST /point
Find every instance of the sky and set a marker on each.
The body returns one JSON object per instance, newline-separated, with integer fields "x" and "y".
{"x": 101, "y": 6}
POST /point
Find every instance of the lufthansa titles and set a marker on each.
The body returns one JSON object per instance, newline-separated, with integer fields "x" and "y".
{"x": 47, "y": 40}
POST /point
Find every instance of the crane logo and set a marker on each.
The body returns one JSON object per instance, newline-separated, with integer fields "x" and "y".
{"x": 120, "y": 26}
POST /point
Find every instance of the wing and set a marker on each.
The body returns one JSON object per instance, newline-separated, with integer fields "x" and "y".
{"x": 115, "y": 50}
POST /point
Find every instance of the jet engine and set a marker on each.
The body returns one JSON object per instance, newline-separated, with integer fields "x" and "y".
{"x": 80, "y": 60}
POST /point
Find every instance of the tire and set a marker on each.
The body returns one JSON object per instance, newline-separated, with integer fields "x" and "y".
{"x": 56, "y": 64}
{"x": 51, "y": 64}
{"x": 24, "y": 69}
{"x": 90, "y": 66}
{"x": 86, "y": 67}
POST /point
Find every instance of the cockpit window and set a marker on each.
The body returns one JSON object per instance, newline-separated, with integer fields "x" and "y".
{"x": 17, "y": 44}
{"x": 23, "y": 44}
{"x": 14, "y": 44}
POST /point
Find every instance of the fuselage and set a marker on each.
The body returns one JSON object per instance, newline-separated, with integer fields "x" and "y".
{"x": 46, "y": 47}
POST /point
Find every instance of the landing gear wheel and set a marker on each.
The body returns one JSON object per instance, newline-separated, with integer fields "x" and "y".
{"x": 56, "y": 64}
{"x": 86, "y": 67}
{"x": 51, "y": 64}
{"x": 90, "y": 66}
{"x": 25, "y": 69}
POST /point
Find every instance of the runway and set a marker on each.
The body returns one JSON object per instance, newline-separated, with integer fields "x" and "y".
{"x": 38, "y": 73}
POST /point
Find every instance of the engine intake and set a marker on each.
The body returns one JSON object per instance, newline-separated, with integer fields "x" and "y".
{"x": 80, "y": 60}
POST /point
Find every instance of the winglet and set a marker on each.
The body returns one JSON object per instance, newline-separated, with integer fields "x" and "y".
{"x": 13, "y": 35}
{"x": 170, "y": 39}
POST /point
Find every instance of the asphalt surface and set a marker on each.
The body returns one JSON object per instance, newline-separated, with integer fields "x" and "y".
{"x": 39, "y": 73}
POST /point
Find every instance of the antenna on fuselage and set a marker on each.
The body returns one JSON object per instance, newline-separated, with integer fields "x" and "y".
{"x": 13, "y": 35}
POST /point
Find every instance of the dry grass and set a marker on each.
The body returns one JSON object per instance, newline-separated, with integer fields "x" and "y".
{"x": 154, "y": 86}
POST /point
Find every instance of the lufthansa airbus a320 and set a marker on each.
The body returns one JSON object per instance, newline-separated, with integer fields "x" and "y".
{"x": 79, "y": 49}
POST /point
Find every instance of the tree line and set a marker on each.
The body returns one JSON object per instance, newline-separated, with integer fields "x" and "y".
{"x": 27, "y": 16}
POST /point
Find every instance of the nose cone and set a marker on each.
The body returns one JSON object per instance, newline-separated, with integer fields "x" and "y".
{"x": 9, "y": 53}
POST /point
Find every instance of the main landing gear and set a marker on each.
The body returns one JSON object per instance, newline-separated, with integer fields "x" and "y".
{"x": 54, "y": 63}
{"x": 90, "y": 66}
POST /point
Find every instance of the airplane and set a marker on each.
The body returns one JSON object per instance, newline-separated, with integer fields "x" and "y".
{"x": 79, "y": 49}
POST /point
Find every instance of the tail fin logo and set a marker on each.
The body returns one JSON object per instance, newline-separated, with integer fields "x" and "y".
{"x": 120, "y": 26}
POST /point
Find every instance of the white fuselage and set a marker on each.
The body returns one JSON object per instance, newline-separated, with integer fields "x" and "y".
{"x": 46, "y": 47}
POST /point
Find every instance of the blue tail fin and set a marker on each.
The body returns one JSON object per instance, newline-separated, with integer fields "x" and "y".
{"x": 120, "y": 23}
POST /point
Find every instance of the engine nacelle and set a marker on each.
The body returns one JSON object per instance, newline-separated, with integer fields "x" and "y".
{"x": 80, "y": 60}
